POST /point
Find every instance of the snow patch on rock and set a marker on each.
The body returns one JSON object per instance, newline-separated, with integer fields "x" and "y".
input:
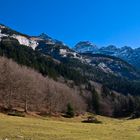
{"x": 104, "y": 67}
{"x": 25, "y": 41}
{"x": 2, "y": 27}
{"x": 63, "y": 51}
{"x": 2, "y": 35}
{"x": 88, "y": 60}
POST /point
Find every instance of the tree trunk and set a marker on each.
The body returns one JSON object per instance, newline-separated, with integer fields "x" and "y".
{"x": 9, "y": 100}
{"x": 26, "y": 104}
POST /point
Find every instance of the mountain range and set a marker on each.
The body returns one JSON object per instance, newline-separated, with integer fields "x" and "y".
{"x": 126, "y": 53}
{"x": 92, "y": 63}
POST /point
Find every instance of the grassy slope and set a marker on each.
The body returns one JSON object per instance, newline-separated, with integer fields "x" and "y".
{"x": 16, "y": 128}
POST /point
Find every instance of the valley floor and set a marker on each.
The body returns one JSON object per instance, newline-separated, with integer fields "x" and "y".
{"x": 31, "y": 128}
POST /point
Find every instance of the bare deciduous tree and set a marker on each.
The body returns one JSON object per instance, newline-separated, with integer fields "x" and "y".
{"x": 25, "y": 88}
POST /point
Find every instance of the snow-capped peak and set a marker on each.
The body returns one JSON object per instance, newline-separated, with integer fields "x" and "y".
{"x": 23, "y": 40}
{"x": 85, "y": 46}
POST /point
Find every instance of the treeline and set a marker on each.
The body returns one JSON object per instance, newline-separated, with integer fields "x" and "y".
{"x": 121, "y": 105}
{"x": 21, "y": 87}
{"x": 109, "y": 103}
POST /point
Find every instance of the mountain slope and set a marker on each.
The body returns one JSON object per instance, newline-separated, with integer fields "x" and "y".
{"x": 112, "y": 65}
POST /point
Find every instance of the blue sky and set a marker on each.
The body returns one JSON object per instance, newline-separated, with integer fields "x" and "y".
{"x": 102, "y": 22}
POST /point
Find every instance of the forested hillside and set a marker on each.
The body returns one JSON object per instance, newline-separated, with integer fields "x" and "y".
{"x": 22, "y": 87}
{"x": 46, "y": 76}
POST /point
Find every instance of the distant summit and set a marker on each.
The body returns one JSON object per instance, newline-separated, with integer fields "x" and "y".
{"x": 85, "y": 46}
{"x": 44, "y": 36}
{"x": 50, "y": 39}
